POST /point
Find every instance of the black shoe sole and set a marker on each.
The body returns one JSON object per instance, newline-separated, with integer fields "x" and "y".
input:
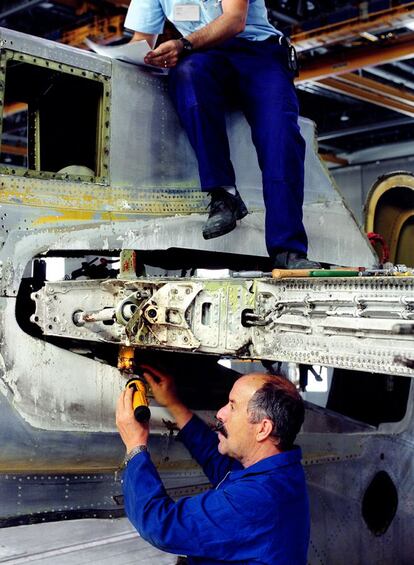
{"x": 241, "y": 212}
{"x": 218, "y": 233}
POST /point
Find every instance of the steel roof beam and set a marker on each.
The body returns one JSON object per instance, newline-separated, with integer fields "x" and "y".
{"x": 397, "y": 79}
{"x": 371, "y": 91}
{"x": 19, "y": 8}
{"x": 376, "y": 22}
{"x": 369, "y": 85}
{"x": 283, "y": 17}
{"x": 362, "y": 129}
{"x": 358, "y": 58}
{"x": 13, "y": 149}
{"x": 103, "y": 30}
{"x": 404, "y": 67}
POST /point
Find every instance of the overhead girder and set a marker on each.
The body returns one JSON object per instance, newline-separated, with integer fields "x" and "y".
{"x": 355, "y": 130}
{"x": 332, "y": 158}
{"x": 334, "y": 74}
{"x": 376, "y": 22}
{"x": 391, "y": 76}
{"x": 357, "y": 58}
{"x": 13, "y": 149}
{"x": 372, "y": 91}
{"x": 14, "y": 108}
{"x": 12, "y": 10}
{"x": 100, "y": 29}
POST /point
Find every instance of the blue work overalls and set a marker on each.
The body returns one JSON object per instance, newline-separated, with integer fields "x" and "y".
{"x": 257, "y": 515}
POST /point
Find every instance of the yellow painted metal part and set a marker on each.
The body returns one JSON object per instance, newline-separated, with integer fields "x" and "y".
{"x": 65, "y": 201}
{"x": 235, "y": 294}
{"x": 389, "y": 211}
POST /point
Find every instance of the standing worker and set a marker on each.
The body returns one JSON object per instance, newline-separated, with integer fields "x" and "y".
{"x": 257, "y": 512}
{"x": 228, "y": 48}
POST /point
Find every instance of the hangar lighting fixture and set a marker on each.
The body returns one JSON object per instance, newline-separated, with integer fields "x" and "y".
{"x": 368, "y": 35}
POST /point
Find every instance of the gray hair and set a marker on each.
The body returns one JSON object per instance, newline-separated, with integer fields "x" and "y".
{"x": 278, "y": 401}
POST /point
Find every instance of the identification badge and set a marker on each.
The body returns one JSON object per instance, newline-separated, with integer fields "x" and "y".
{"x": 186, "y": 13}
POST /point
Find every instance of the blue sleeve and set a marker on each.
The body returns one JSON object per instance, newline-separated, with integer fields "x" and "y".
{"x": 202, "y": 443}
{"x": 216, "y": 524}
{"x": 146, "y": 16}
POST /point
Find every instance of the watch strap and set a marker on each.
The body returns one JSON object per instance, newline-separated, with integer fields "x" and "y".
{"x": 187, "y": 45}
{"x": 134, "y": 451}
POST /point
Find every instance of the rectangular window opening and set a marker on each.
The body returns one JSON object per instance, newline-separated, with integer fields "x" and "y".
{"x": 52, "y": 121}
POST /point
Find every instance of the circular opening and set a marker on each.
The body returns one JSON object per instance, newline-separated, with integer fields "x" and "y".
{"x": 380, "y": 503}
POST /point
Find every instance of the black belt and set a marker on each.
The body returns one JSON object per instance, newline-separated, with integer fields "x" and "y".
{"x": 279, "y": 39}
{"x": 292, "y": 56}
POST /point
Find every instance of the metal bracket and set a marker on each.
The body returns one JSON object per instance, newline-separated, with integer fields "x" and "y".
{"x": 163, "y": 317}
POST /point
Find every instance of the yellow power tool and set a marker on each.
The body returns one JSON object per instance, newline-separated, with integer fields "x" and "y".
{"x": 139, "y": 401}
{"x": 127, "y": 365}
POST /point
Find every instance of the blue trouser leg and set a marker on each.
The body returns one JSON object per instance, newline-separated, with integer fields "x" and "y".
{"x": 197, "y": 87}
{"x": 270, "y": 105}
{"x": 256, "y": 73}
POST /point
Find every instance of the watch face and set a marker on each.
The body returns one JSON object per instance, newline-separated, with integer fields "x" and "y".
{"x": 186, "y": 44}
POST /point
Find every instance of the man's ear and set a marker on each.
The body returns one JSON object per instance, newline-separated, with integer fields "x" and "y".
{"x": 265, "y": 428}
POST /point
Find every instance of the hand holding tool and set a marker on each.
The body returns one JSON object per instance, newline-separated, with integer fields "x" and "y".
{"x": 139, "y": 400}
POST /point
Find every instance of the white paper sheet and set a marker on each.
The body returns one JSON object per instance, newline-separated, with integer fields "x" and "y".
{"x": 129, "y": 52}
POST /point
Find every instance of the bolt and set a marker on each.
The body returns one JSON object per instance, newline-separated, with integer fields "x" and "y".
{"x": 152, "y": 313}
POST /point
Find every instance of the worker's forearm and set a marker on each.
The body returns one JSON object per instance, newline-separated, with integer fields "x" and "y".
{"x": 180, "y": 413}
{"x": 150, "y": 38}
{"x": 224, "y": 27}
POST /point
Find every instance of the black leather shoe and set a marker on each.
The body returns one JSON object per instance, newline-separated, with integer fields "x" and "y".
{"x": 293, "y": 260}
{"x": 225, "y": 210}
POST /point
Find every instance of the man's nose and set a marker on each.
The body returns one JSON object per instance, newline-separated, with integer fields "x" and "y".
{"x": 221, "y": 414}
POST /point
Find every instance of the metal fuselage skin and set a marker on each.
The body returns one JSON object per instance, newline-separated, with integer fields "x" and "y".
{"x": 59, "y": 450}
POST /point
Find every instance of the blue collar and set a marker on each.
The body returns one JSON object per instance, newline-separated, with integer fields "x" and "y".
{"x": 283, "y": 459}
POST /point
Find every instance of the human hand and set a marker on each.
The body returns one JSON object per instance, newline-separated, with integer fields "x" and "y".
{"x": 132, "y": 433}
{"x": 163, "y": 388}
{"x": 165, "y": 55}
{"x": 162, "y": 385}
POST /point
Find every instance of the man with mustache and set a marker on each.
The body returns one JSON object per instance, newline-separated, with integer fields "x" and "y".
{"x": 258, "y": 510}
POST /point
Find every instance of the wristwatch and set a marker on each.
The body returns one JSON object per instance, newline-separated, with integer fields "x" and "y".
{"x": 134, "y": 451}
{"x": 187, "y": 46}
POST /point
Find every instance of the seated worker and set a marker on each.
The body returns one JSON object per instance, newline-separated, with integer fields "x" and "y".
{"x": 257, "y": 512}
{"x": 229, "y": 49}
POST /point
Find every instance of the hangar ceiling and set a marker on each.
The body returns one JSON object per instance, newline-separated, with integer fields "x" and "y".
{"x": 357, "y": 59}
